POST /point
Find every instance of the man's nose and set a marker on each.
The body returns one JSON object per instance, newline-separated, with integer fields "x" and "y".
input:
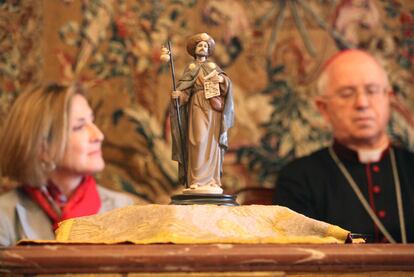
{"x": 361, "y": 99}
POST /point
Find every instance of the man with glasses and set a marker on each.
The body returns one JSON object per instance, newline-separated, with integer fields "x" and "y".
{"x": 362, "y": 182}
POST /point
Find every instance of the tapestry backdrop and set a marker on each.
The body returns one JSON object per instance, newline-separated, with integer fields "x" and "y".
{"x": 272, "y": 51}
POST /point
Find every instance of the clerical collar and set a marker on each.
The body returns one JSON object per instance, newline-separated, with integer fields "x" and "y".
{"x": 369, "y": 156}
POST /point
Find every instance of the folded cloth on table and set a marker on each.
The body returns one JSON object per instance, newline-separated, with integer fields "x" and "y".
{"x": 199, "y": 224}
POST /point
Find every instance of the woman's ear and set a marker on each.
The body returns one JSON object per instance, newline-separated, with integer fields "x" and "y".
{"x": 44, "y": 155}
{"x": 46, "y": 160}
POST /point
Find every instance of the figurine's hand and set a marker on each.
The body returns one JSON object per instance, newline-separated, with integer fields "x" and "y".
{"x": 180, "y": 95}
{"x": 176, "y": 94}
{"x": 217, "y": 79}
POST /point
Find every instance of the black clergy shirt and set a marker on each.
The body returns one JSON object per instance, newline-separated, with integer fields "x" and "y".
{"x": 314, "y": 186}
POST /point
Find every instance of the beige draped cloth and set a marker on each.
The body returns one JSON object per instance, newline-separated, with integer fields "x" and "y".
{"x": 190, "y": 224}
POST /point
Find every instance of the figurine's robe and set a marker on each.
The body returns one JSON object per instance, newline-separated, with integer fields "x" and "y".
{"x": 204, "y": 129}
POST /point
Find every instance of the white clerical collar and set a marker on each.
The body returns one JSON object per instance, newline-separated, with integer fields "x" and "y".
{"x": 371, "y": 155}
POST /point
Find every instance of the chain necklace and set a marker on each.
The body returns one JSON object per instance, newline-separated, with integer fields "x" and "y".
{"x": 364, "y": 202}
{"x": 52, "y": 202}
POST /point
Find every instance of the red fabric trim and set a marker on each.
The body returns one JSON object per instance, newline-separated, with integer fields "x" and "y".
{"x": 38, "y": 197}
{"x": 371, "y": 196}
{"x": 83, "y": 201}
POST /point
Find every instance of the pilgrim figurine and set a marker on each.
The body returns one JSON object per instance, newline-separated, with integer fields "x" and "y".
{"x": 201, "y": 118}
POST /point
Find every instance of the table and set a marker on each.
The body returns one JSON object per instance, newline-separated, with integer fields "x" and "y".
{"x": 209, "y": 259}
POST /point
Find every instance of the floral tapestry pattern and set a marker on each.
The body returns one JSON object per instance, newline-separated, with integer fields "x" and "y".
{"x": 272, "y": 51}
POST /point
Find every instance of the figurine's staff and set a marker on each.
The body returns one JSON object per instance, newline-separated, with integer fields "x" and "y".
{"x": 167, "y": 56}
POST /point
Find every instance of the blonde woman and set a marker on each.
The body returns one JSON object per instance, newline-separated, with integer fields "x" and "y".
{"x": 51, "y": 146}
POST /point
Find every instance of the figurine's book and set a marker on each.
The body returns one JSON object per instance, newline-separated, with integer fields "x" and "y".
{"x": 211, "y": 89}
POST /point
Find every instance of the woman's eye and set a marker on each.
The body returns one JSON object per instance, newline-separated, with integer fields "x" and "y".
{"x": 78, "y": 127}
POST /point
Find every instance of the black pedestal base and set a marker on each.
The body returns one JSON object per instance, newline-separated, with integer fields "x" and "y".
{"x": 203, "y": 199}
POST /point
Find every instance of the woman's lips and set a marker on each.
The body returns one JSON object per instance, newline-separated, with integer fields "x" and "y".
{"x": 94, "y": 153}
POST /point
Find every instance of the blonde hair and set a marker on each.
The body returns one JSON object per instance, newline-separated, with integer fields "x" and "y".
{"x": 36, "y": 127}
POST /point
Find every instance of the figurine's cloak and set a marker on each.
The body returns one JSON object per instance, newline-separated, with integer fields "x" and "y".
{"x": 204, "y": 129}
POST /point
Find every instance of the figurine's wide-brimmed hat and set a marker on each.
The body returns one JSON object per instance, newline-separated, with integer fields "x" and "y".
{"x": 195, "y": 39}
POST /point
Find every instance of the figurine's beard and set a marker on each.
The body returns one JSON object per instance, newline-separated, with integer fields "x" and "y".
{"x": 201, "y": 54}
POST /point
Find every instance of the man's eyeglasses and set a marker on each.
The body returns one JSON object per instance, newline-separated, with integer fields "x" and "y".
{"x": 350, "y": 93}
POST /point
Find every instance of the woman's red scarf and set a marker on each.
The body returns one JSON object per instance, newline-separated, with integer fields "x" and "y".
{"x": 83, "y": 201}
